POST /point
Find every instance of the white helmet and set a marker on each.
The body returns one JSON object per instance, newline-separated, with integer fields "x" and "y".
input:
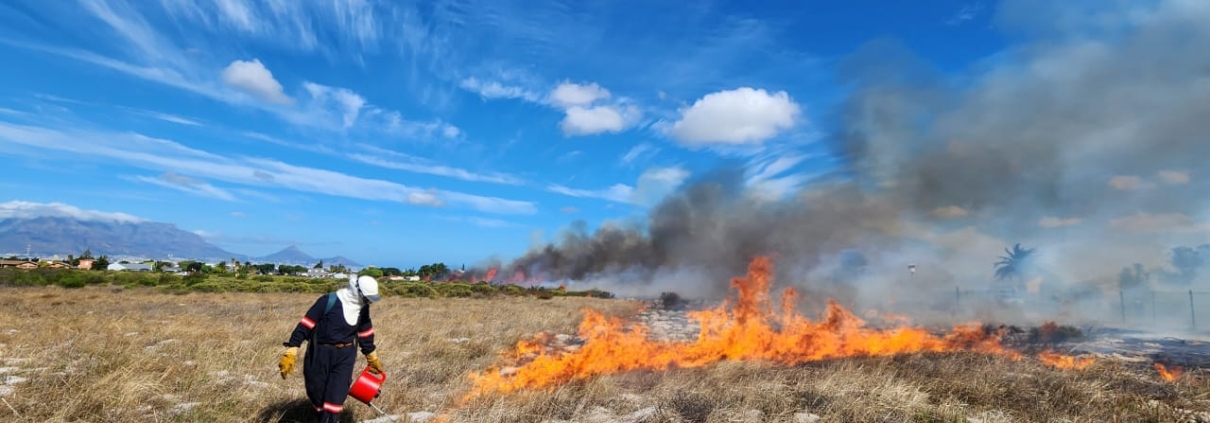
{"x": 367, "y": 286}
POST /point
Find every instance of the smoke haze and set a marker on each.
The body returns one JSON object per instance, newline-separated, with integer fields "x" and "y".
{"x": 1086, "y": 140}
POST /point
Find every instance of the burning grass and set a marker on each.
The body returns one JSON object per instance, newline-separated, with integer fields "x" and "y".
{"x": 110, "y": 355}
{"x": 750, "y": 330}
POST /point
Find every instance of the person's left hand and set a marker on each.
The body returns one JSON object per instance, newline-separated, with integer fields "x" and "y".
{"x": 375, "y": 365}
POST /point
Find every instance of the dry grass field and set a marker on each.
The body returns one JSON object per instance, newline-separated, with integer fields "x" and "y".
{"x": 109, "y": 355}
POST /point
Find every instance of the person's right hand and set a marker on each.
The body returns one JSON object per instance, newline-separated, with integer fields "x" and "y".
{"x": 286, "y": 364}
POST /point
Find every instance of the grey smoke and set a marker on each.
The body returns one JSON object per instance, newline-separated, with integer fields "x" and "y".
{"x": 945, "y": 171}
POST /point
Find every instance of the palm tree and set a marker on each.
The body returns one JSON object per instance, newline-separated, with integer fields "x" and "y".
{"x": 1012, "y": 265}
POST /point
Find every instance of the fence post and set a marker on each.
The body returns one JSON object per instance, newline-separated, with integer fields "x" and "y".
{"x": 1122, "y": 300}
{"x": 1192, "y": 316}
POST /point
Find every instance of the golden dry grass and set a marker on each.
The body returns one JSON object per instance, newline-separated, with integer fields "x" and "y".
{"x": 105, "y": 355}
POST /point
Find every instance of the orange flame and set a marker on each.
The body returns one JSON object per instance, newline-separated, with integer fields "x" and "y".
{"x": 491, "y": 275}
{"x": 1169, "y": 375}
{"x": 1064, "y": 361}
{"x": 751, "y": 330}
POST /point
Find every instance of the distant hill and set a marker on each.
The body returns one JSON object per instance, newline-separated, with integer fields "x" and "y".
{"x": 341, "y": 260}
{"x": 290, "y": 255}
{"x": 296, "y": 256}
{"x": 63, "y": 235}
{"x": 48, "y": 236}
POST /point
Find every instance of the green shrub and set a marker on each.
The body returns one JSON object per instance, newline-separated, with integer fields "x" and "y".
{"x": 168, "y": 279}
{"x": 512, "y": 289}
{"x": 592, "y": 293}
{"x": 483, "y": 288}
{"x": 412, "y": 290}
{"x": 263, "y": 278}
{"x": 455, "y": 289}
{"x": 194, "y": 278}
{"x": 209, "y": 286}
{"x": 74, "y": 280}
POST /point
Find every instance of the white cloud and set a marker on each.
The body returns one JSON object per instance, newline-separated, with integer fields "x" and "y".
{"x": 1158, "y": 223}
{"x": 581, "y": 121}
{"x": 424, "y": 198}
{"x": 1127, "y": 182}
{"x": 653, "y": 185}
{"x": 163, "y": 155}
{"x": 238, "y": 214}
{"x": 181, "y": 183}
{"x": 567, "y": 94}
{"x": 583, "y": 116}
{"x": 1058, "y": 222}
{"x": 950, "y": 212}
{"x": 585, "y": 106}
{"x": 253, "y": 78}
{"x": 30, "y": 210}
{"x": 494, "y": 89}
{"x": 1174, "y": 177}
{"x": 740, "y": 116}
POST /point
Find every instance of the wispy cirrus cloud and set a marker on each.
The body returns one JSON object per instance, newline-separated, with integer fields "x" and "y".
{"x": 164, "y": 155}
{"x": 497, "y": 89}
{"x": 178, "y": 182}
{"x": 166, "y": 117}
{"x": 145, "y": 50}
{"x": 967, "y": 13}
{"x": 638, "y": 151}
{"x": 481, "y": 221}
{"x": 653, "y": 184}
{"x": 395, "y": 160}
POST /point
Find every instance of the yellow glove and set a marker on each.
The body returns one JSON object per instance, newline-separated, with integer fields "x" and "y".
{"x": 375, "y": 365}
{"x": 286, "y": 365}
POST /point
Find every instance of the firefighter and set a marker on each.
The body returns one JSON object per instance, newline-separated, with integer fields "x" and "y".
{"x": 334, "y": 327}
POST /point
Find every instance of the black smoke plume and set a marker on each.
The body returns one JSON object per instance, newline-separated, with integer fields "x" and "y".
{"x": 1087, "y": 138}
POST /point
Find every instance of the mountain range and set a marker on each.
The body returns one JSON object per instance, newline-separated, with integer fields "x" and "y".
{"x": 60, "y": 235}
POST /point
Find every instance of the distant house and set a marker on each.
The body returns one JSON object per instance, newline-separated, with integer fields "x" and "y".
{"x": 59, "y": 265}
{"x": 85, "y": 263}
{"x": 317, "y": 273}
{"x": 131, "y": 267}
{"x": 20, "y": 264}
{"x": 413, "y": 278}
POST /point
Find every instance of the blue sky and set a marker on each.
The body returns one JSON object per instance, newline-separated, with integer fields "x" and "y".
{"x": 401, "y": 133}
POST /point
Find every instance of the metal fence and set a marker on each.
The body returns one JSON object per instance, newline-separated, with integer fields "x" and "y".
{"x": 1176, "y": 309}
{"x": 1165, "y": 307}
